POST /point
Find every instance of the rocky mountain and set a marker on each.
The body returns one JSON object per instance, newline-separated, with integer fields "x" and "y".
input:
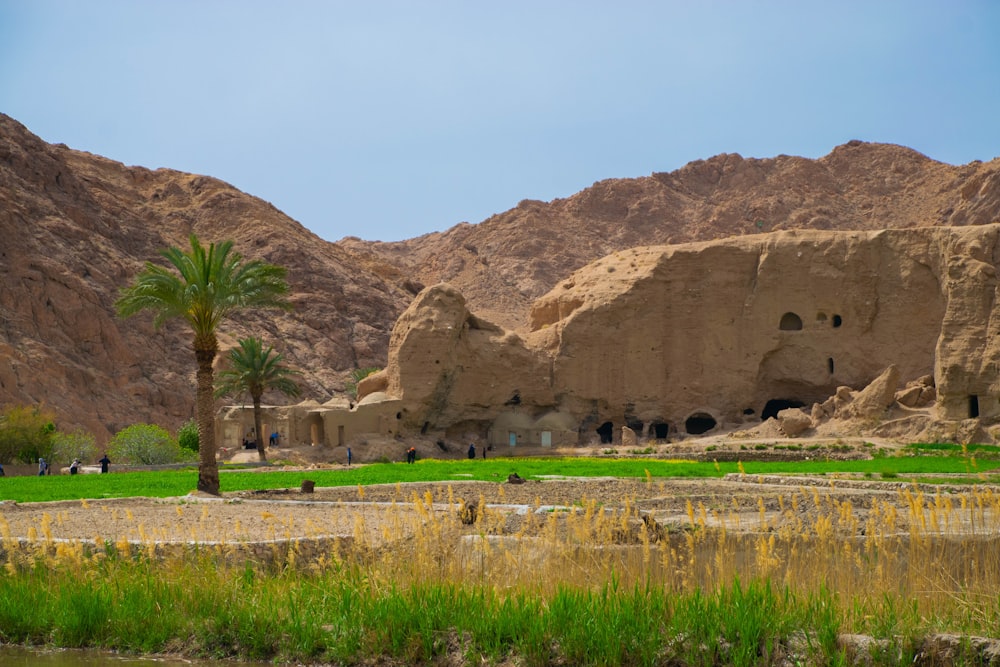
{"x": 76, "y": 227}
{"x": 505, "y": 262}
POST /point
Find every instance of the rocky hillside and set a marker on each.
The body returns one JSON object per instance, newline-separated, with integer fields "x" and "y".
{"x": 76, "y": 227}
{"x": 508, "y": 260}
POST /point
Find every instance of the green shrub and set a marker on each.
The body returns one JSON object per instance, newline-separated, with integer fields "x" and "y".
{"x": 187, "y": 436}
{"x": 26, "y": 433}
{"x": 78, "y": 444}
{"x": 145, "y": 444}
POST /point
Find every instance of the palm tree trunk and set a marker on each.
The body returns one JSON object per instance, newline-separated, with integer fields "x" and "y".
{"x": 208, "y": 469}
{"x": 257, "y": 428}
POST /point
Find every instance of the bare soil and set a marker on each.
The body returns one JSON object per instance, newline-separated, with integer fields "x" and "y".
{"x": 743, "y": 501}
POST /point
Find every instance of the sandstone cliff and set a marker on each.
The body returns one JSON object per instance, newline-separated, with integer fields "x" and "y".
{"x": 691, "y": 337}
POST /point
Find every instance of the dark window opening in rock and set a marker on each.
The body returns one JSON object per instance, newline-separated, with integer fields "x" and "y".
{"x": 661, "y": 430}
{"x": 699, "y": 423}
{"x": 821, "y": 317}
{"x": 606, "y": 431}
{"x": 635, "y": 425}
{"x": 423, "y": 429}
{"x": 748, "y": 411}
{"x": 399, "y": 415}
{"x": 776, "y": 405}
{"x": 837, "y": 321}
{"x": 973, "y": 406}
{"x": 829, "y": 365}
{"x": 790, "y": 322}
{"x": 441, "y": 445}
{"x": 515, "y": 399}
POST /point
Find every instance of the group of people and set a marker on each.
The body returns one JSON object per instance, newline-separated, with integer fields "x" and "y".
{"x": 74, "y": 468}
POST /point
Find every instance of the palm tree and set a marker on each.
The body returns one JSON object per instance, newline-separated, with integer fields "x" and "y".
{"x": 212, "y": 284}
{"x": 254, "y": 370}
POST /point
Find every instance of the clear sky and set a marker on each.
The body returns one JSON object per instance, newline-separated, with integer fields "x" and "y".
{"x": 387, "y": 120}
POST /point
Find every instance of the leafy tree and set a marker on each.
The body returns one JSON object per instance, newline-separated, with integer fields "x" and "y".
{"x": 78, "y": 444}
{"x": 146, "y": 444}
{"x": 203, "y": 287}
{"x": 187, "y": 436}
{"x": 26, "y": 433}
{"x": 254, "y": 370}
{"x": 357, "y": 375}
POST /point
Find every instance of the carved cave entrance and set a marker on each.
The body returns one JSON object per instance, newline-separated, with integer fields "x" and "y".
{"x": 699, "y": 422}
{"x": 660, "y": 430}
{"x": 606, "y": 431}
{"x": 776, "y": 405}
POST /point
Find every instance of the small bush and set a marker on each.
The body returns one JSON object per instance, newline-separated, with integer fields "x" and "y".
{"x": 26, "y": 433}
{"x": 187, "y": 436}
{"x": 145, "y": 444}
{"x": 78, "y": 444}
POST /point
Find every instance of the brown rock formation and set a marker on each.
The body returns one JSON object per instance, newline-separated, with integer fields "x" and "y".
{"x": 504, "y": 263}
{"x": 700, "y": 334}
{"x": 76, "y": 227}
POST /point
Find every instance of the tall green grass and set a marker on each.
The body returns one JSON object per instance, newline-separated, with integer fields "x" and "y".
{"x": 340, "y": 614}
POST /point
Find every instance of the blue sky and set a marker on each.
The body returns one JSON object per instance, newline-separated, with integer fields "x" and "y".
{"x": 387, "y": 120}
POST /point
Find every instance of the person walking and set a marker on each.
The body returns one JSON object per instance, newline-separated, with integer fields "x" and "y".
{"x": 472, "y": 450}
{"x": 42, "y": 467}
{"x": 105, "y": 462}
{"x": 348, "y": 457}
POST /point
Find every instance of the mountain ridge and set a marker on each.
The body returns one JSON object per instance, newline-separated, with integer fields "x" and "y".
{"x": 78, "y": 226}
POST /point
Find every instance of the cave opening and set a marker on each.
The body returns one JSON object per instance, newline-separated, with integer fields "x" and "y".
{"x": 776, "y": 405}
{"x": 606, "y": 432}
{"x": 790, "y": 322}
{"x": 699, "y": 422}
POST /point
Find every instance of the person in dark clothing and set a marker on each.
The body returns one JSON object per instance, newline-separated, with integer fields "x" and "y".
{"x": 74, "y": 467}
{"x": 348, "y": 456}
{"x": 472, "y": 450}
{"x": 105, "y": 462}
{"x": 43, "y": 467}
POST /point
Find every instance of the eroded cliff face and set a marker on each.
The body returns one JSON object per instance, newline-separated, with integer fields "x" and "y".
{"x": 723, "y": 333}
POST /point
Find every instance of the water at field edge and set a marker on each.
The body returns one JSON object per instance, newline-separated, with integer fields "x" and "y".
{"x": 13, "y": 656}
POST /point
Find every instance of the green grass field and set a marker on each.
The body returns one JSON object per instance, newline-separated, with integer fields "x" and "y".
{"x": 168, "y": 483}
